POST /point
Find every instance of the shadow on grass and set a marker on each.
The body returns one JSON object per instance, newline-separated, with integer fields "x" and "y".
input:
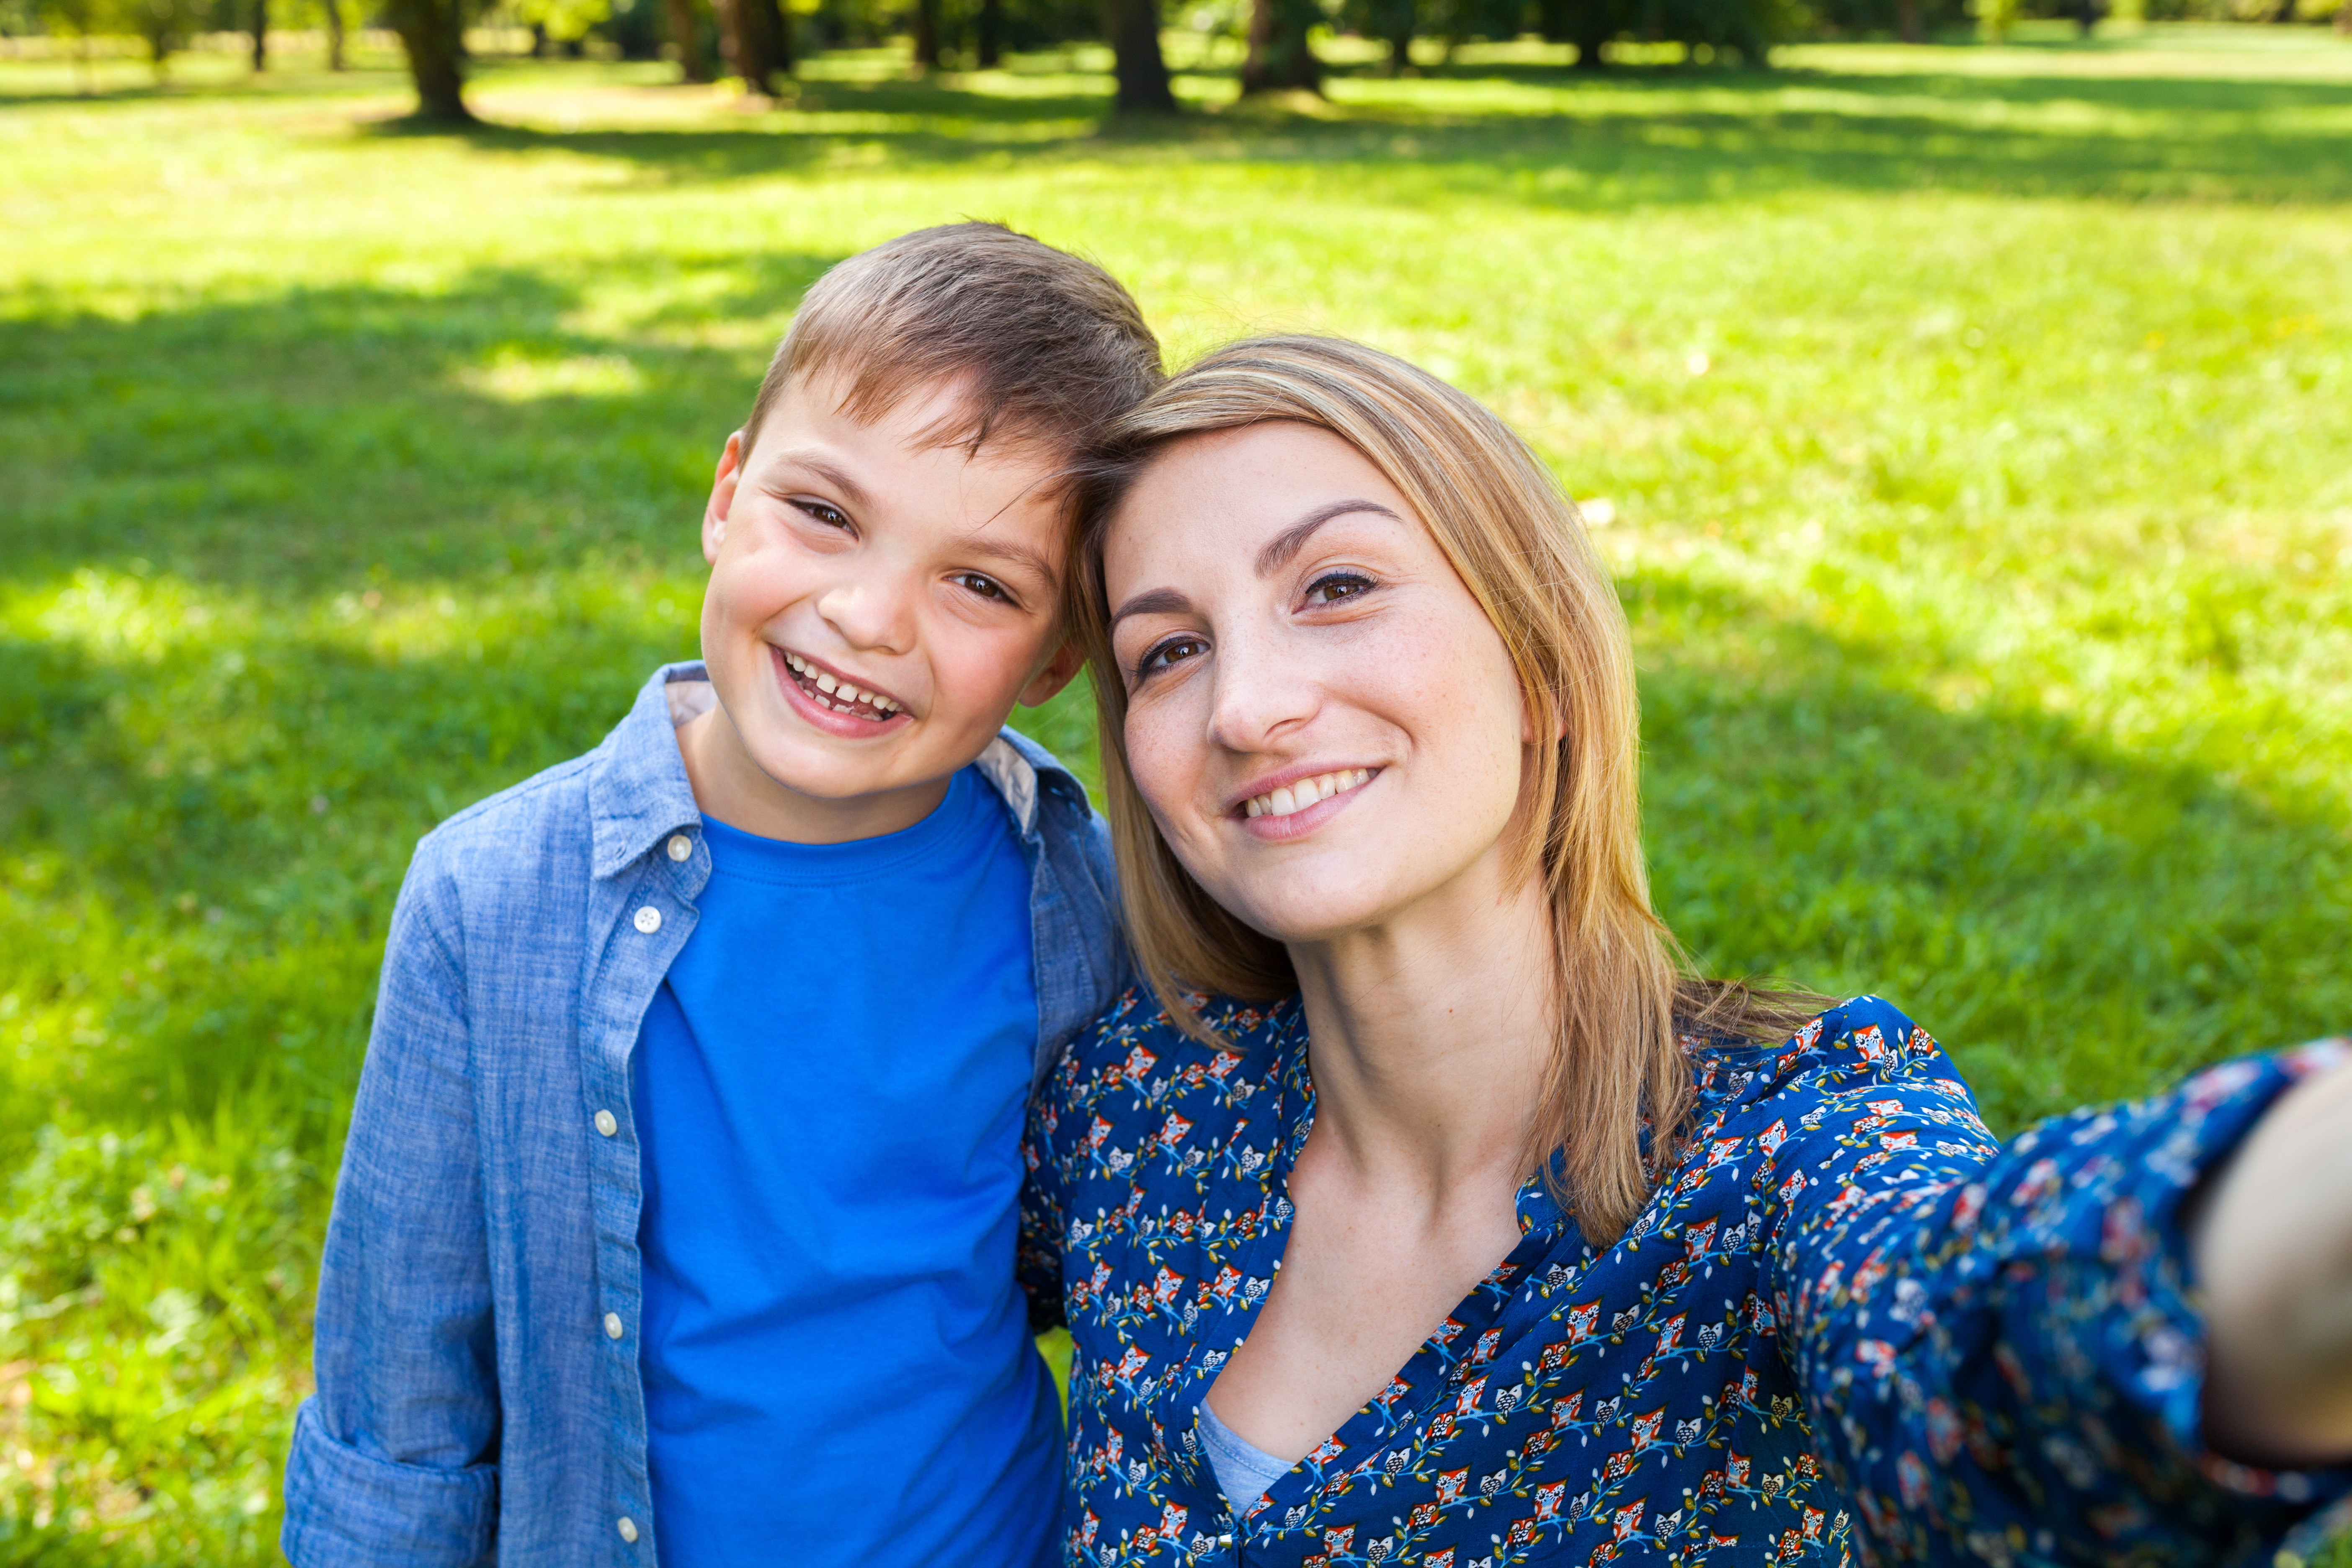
{"x": 1633, "y": 136}
{"x": 2075, "y": 922}
{"x": 311, "y": 438}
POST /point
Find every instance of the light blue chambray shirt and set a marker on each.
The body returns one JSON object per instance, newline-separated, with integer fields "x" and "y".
{"x": 479, "y": 1397}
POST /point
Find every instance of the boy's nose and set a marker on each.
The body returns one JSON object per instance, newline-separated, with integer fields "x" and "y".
{"x": 874, "y": 616}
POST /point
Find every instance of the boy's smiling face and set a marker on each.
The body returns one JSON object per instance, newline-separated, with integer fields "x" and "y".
{"x": 865, "y": 557}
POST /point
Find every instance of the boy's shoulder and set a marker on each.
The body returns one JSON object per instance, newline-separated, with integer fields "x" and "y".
{"x": 542, "y": 838}
{"x": 522, "y": 820}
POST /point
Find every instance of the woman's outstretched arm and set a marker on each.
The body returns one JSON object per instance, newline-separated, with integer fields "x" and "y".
{"x": 2271, "y": 1242}
{"x": 2003, "y": 1350}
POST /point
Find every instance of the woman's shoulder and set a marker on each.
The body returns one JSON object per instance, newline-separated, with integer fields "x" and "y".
{"x": 1862, "y": 1043}
{"x": 1137, "y": 1056}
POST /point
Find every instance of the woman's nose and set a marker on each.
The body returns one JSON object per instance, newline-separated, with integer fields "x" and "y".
{"x": 1261, "y": 694}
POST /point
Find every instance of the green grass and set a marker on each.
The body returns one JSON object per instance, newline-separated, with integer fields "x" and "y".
{"x": 1974, "y": 425}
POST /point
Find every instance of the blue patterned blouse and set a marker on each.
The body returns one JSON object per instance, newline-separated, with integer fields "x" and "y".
{"x": 1850, "y": 1326}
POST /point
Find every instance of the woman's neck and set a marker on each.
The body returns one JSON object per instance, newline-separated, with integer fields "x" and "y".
{"x": 1431, "y": 1037}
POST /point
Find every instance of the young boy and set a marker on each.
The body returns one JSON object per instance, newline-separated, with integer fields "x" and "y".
{"x": 679, "y": 1207}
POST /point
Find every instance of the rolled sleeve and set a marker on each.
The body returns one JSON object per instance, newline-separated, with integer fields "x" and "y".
{"x": 346, "y": 1507}
{"x": 394, "y": 1458}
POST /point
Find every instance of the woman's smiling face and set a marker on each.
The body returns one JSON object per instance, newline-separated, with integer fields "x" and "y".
{"x": 1323, "y": 723}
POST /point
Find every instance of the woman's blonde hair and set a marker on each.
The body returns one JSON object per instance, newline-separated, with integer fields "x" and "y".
{"x": 1623, "y": 994}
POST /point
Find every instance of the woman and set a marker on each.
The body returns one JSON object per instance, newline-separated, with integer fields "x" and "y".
{"x": 1463, "y": 1228}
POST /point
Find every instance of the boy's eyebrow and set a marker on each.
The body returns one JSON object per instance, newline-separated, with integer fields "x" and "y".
{"x": 832, "y": 474}
{"x": 1292, "y": 539}
{"x": 1019, "y": 554}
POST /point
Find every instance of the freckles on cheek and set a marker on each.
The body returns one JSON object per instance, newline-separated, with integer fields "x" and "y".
{"x": 1157, "y": 768}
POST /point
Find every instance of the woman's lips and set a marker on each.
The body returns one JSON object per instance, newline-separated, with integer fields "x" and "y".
{"x": 1301, "y": 794}
{"x": 1261, "y": 818}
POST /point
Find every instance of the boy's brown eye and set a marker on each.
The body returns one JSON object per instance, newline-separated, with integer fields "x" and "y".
{"x": 986, "y": 587}
{"x": 831, "y": 516}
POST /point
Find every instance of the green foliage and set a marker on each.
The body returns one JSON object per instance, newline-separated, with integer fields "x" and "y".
{"x": 1970, "y": 424}
{"x": 155, "y": 1280}
{"x": 163, "y": 25}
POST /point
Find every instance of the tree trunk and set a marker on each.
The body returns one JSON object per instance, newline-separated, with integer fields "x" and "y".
{"x": 1400, "y": 47}
{"x": 927, "y": 35}
{"x": 429, "y": 35}
{"x": 2344, "y": 21}
{"x": 778, "y": 27}
{"x": 990, "y": 36}
{"x": 1133, "y": 29}
{"x": 261, "y": 35}
{"x": 756, "y": 41}
{"x": 1593, "y": 27}
{"x": 1279, "y": 57}
{"x": 334, "y": 9}
{"x": 686, "y": 32}
{"x": 1910, "y": 21}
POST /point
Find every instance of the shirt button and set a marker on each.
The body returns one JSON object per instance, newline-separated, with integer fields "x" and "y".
{"x": 608, "y": 1123}
{"x": 650, "y": 920}
{"x": 628, "y": 1529}
{"x": 612, "y": 1330}
{"x": 681, "y": 847}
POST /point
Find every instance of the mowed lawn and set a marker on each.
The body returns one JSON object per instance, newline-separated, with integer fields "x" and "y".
{"x": 1973, "y": 431}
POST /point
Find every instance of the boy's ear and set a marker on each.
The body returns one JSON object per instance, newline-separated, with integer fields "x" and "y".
{"x": 723, "y": 498}
{"x": 1056, "y": 674}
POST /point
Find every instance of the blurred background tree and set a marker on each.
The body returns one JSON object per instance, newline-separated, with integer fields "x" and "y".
{"x": 163, "y": 25}
{"x": 1141, "y": 71}
{"x": 80, "y": 20}
{"x": 1280, "y": 57}
{"x": 432, "y": 34}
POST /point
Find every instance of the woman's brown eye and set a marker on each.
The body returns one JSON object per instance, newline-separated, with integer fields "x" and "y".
{"x": 1338, "y": 585}
{"x": 1160, "y": 656}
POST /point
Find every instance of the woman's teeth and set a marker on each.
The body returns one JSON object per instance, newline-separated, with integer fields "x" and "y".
{"x": 837, "y": 694}
{"x": 1305, "y": 792}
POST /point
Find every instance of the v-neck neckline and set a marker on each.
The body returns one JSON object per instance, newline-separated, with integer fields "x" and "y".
{"x": 1449, "y": 1363}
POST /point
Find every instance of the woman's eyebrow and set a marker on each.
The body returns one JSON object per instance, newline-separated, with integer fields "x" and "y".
{"x": 1156, "y": 602}
{"x": 1292, "y": 539}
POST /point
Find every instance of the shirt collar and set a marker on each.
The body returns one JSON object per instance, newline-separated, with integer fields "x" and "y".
{"x": 639, "y": 795}
{"x": 637, "y": 791}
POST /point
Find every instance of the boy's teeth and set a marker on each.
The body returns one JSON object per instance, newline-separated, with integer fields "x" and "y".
{"x": 846, "y": 697}
{"x": 1305, "y": 793}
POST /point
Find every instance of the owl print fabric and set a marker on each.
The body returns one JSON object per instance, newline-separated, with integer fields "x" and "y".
{"x": 1850, "y": 1326}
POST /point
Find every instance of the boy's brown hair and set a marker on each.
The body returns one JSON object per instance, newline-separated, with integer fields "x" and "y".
{"x": 1047, "y": 346}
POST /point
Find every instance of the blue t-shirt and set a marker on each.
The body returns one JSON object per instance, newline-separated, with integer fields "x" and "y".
{"x": 829, "y": 1088}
